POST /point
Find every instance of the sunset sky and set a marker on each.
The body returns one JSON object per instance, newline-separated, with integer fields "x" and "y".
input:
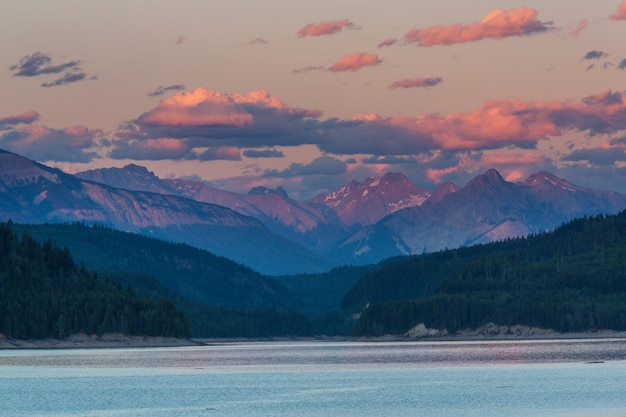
{"x": 310, "y": 95}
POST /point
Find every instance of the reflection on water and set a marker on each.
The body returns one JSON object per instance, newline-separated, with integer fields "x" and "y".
{"x": 315, "y": 379}
{"x": 321, "y": 354}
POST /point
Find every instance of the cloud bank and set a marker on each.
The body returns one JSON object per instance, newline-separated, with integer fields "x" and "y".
{"x": 186, "y": 124}
{"x": 206, "y": 125}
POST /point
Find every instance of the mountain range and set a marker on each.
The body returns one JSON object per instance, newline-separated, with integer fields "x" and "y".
{"x": 358, "y": 223}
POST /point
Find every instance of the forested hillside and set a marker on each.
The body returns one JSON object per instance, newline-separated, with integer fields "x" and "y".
{"x": 44, "y": 294}
{"x": 573, "y": 279}
{"x": 218, "y": 297}
{"x": 192, "y": 273}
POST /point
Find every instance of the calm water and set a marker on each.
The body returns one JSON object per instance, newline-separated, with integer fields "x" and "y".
{"x": 532, "y": 378}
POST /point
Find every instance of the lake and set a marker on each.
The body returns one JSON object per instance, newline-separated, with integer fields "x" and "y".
{"x": 316, "y": 378}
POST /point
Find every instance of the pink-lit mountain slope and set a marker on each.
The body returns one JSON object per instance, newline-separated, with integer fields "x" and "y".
{"x": 33, "y": 193}
{"x": 287, "y": 217}
{"x": 487, "y": 209}
{"x": 368, "y": 202}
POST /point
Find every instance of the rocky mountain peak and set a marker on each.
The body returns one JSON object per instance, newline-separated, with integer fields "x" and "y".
{"x": 492, "y": 174}
{"x": 260, "y": 190}
{"x": 442, "y": 191}
{"x": 370, "y": 201}
{"x": 491, "y": 178}
{"x": 130, "y": 177}
{"x": 548, "y": 179}
{"x": 386, "y": 179}
{"x": 137, "y": 169}
{"x": 16, "y": 170}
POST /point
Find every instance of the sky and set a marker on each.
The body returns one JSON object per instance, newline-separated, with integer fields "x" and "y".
{"x": 309, "y": 95}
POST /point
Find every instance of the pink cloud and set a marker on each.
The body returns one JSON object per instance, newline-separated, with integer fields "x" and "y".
{"x": 495, "y": 125}
{"x": 203, "y": 119}
{"x": 203, "y": 107}
{"x": 387, "y": 42}
{"x": 416, "y": 82}
{"x": 188, "y": 123}
{"x": 208, "y": 114}
{"x": 620, "y": 14}
{"x": 497, "y": 24}
{"x": 24, "y": 118}
{"x": 498, "y": 123}
{"x": 355, "y": 62}
{"x": 326, "y": 28}
{"x": 70, "y": 144}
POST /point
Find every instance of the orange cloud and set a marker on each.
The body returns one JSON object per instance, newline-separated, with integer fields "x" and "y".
{"x": 203, "y": 119}
{"x": 495, "y": 125}
{"x": 355, "y": 62}
{"x": 620, "y": 14}
{"x": 325, "y": 28}
{"x": 203, "y": 107}
{"x": 189, "y": 123}
{"x": 498, "y": 123}
{"x": 416, "y": 82}
{"x": 497, "y": 24}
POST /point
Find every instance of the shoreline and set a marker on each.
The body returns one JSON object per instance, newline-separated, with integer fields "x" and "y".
{"x": 120, "y": 341}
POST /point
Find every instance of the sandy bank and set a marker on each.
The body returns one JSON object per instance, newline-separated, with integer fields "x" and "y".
{"x": 493, "y": 331}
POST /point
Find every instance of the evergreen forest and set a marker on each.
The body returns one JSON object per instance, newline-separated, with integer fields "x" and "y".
{"x": 572, "y": 279}
{"x": 43, "y": 294}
